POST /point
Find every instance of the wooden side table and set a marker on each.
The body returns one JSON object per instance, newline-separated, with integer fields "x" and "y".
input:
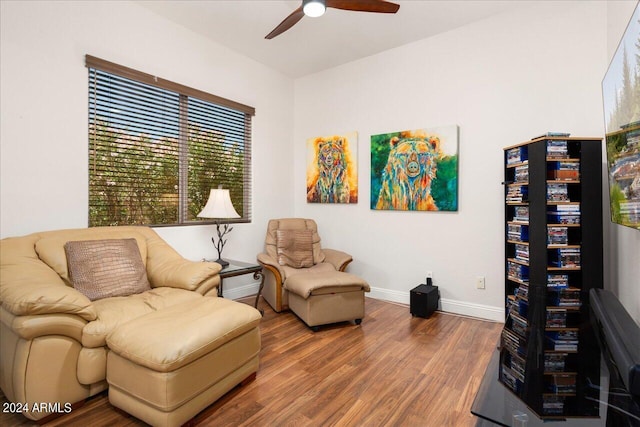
{"x": 239, "y": 268}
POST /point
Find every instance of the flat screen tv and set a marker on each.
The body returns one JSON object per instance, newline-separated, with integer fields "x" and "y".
{"x": 621, "y": 98}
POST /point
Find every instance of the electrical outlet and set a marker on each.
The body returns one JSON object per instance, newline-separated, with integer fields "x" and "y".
{"x": 480, "y": 282}
{"x": 430, "y": 274}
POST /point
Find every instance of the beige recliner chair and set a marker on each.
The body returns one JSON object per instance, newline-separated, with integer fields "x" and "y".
{"x": 302, "y": 276}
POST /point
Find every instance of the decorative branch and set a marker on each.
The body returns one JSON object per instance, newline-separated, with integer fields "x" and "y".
{"x": 221, "y": 233}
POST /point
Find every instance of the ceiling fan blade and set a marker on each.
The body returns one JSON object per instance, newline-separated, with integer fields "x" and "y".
{"x": 379, "y": 6}
{"x": 288, "y": 22}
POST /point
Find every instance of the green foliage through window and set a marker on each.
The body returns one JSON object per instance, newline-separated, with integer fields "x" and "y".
{"x": 154, "y": 154}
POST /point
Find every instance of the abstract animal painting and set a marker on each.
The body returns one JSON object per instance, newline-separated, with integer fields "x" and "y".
{"x": 332, "y": 175}
{"x": 415, "y": 170}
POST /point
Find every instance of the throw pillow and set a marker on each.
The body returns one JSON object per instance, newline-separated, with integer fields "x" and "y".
{"x": 106, "y": 268}
{"x": 295, "y": 248}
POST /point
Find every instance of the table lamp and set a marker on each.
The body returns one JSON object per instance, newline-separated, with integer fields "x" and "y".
{"x": 219, "y": 207}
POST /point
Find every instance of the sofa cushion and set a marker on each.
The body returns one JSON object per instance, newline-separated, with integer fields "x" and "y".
{"x": 106, "y": 268}
{"x": 318, "y": 268}
{"x": 50, "y": 245}
{"x": 116, "y": 311}
{"x": 295, "y": 248}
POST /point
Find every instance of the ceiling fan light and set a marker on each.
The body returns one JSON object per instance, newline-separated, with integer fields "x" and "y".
{"x": 313, "y": 8}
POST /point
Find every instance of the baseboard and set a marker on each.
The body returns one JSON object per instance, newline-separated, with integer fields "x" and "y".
{"x": 472, "y": 309}
{"x": 450, "y": 306}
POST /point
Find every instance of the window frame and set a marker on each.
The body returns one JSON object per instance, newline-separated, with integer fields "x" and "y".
{"x": 184, "y": 93}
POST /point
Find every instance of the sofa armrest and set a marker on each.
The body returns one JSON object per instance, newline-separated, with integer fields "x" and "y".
{"x": 32, "y": 299}
{"x": 42, "y": 293}
{"x": 29, "y": 287}
{"x": 271, "y": 264}
{"x": 338, "y": 259}
{"x": 180, "y": 273}
{"x": 273, "y": 278}
{"x": 167, "y": 268}
{"x": 30, "y": 327}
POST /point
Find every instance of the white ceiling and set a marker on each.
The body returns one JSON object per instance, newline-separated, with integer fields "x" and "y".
{"x": 316, "y": 44}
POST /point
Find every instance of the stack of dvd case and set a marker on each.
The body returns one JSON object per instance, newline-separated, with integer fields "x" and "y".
{"x": 512, "y": 305}
{"x": 522, "y": 252}
{"x": 552, "y": 404}
{"x": 566, "y": 257}
{"x": 522, "y": 291}
{"x": 562, "y": 340}
{"x": 521, "y": 214}
{"x": 521, "y": 173}
{"x": 557, "y": 281}
{"x": 513, "y": 342}
{"x": 561, "y": 383}
{"x": 557, "y": 149}
{"x": 518, "y": 324}
{"x": 518, "y": 272}
{"x": 558, "y": 192}
{"x": 564, "y": 214}
{"x": 556, "y": 317}
{"x": 516, "y": 155}
{"x": 518, "y": 232}
{"x": 565, "y": 297}
{"x": 557, "y": 236}
{"x": 517, "y": 194}
{"x": 509, "y": 378}
{"x": 564, "y": 171}
{"x": 515, "y": 364}
{"x": 555, "y": 362}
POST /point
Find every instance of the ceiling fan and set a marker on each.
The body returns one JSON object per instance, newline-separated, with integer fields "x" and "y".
{"x": 315, "y": 8}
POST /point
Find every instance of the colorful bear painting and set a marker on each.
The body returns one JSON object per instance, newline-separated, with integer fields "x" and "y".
{"x": 415, "y": 170}
{"x": 332, "y": 175}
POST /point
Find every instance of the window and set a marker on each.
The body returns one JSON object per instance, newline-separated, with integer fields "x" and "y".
{"x": 156, "y": 148}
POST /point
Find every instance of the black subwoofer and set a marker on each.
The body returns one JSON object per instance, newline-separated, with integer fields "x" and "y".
{"x": 423, "y": 300}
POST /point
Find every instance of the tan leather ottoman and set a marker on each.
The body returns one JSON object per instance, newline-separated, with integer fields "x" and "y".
{"x": 326, "y": 297}
{"x": 166, "y": 366}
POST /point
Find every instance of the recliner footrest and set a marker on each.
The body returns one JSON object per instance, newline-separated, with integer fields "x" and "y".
{"x": 326, "y": 297}
{"x": 307, "y": 284}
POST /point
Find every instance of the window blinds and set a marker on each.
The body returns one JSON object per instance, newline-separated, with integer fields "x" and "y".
{"x": 156, "y": 148}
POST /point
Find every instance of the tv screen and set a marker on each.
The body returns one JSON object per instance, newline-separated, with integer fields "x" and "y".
{"x": 621, "y": 97}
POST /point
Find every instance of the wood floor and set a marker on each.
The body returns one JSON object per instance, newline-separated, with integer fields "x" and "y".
{"x": 392, "y": 370}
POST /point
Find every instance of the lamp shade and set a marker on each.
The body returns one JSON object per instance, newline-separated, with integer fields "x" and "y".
{"x": 219, "y": 205}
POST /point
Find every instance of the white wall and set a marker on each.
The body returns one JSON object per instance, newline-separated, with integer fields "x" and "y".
{"x": 623, "y": 243}
{"x": 502, "y": 81}
{"x": 44, "y": 104}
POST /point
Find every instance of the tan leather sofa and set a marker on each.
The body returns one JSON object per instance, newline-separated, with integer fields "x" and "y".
{"x": 53, "y": 339}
